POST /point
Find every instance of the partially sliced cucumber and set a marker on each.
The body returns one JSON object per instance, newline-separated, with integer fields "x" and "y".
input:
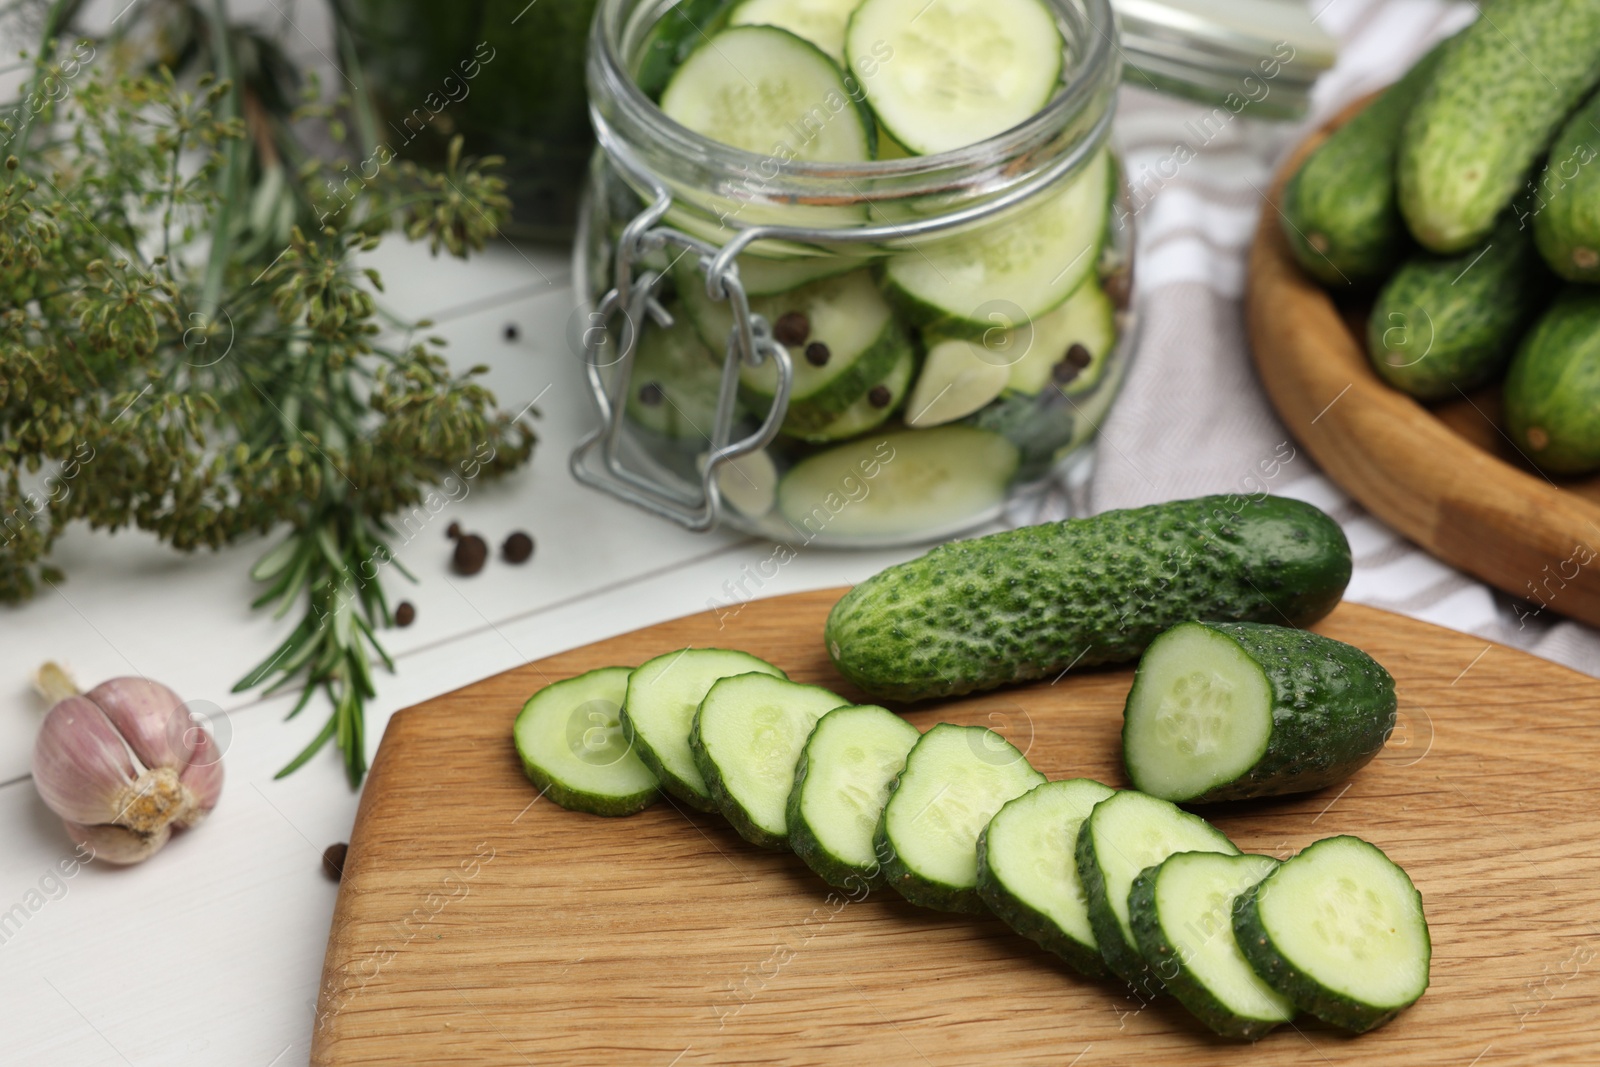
{"x": 960, "y": 71}
{"x": 767, "y": 91}
{"x": 1019, "y": 267}
{"x": 860, "y": 339}
{"x": 1182, "y": 915}
{"x": 955, "y": 779}
{"x": 573, "y": 748}
{"x": 873, "y": 409}
{"x": 1028, "y": 869}
{"x": 923, "y": 482}
{"x": 822, "y": 22}
{"x": 747, "y": 736}
{"x": 841, "y": 783}
{"x": 1122, "y": 836}
{"x": 1339, "y": 930}
{"x": 1069, "y": 347}
{"x": 958, "y": 377}
{"x": 658, "y": 713}
{"x": 675, "y": 381}
{"x": 1229, "y": 711}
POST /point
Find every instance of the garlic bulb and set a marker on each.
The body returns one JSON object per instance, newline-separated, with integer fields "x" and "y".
{"x": 123, "y": 764}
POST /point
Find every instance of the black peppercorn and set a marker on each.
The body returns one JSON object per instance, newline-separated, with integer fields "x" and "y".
{"x": 792, "y": 328}
{"x": 454, "y": 531}
{"x": 333, "y": 860}
{"x": 404, "y": 613}
{"x": 511, "y": 331}
{"x": 817, "y": 353}
{"x": 1078, "y": 356}
{"x": 1063, "y": 372}
{"x": 650, "y": 394}
{"x": 471, "y": 551}
{"x": 879, "y": 396}
{"x": 517, "y": 548}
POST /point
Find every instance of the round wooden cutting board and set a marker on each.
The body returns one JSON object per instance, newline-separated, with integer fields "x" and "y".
{"x": 478, "y": 924}
{"x": 1445, "y": 476}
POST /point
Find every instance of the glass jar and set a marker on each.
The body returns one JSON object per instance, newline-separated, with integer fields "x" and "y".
{"x": 800, "y": 351}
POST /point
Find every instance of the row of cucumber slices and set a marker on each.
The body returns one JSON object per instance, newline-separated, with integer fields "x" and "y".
{"x": 957, "y": 819}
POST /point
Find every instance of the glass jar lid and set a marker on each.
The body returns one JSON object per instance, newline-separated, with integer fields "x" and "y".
{"x": 1260, "y": 54}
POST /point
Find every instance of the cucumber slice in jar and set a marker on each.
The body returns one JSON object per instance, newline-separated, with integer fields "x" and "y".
{"x": 747, "y": 736}
{"x": 822, "y": 22}
{"x": 950, "y": 73}
{"x": 1182, "y": 916}
{"x": 764, "y": 90}
{"x": 1019, "y": 267}
{"x": 841, "y": 783}
{"x": 1228, "y": 711}
{"x": 762, "y": 276}
{"x": 955, "y": 779}
{"x": 1338, "y": 929}
{"x": 1068, "y": 347}
{"x": 658, "y": 713}
{"x": 885, "y": 487}
{"x": 845, "y": 340}
{"x": 958, "y": 377}
{"x": 749, "y": 483}
{"x": 1122, "y": 836}
{"x": 678, "y": 32}
{"x": 675, "y": 381}
{"x": 1028, "y": 869}
{"x": 872, "y": 409}
{"x": 572, "y": 746}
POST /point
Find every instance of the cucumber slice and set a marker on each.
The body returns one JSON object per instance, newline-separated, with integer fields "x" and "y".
{"x": 955, "y": 779}
{"x": 572, "y": 746}
{"x": 658, "y": 713}
{"x": 1121, "y": 837}
{"x": 841, "y": 783}
{"x": 1028, "y": 869}
{"x": 957, "y": 378}
{"x": 746, "y": 739}
{"x": 874, "y": 407}
{"x": 846, "y": 315}
{"x": 1086, "y": 320}
{"x": 675, "y": 381}
{"x": 762, "y": 276}
{"x": 1339, "y": 930}
{"x": 960, "y": 72}
{"x": 1182, "y": 915}
{"x": 822, "y": 22}
{"x": 762, "y": 89}
{"x": 749, "y": 483}
{"x": 1021, "y": 266}
{"x": 885, "y": 487}
{"x": 1228, "y": 711}
{"x": 675, "y": 35}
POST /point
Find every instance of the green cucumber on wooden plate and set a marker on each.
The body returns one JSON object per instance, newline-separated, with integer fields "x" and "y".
{"x": 658, "y": 713}
{"x": 841, "y": 783}
{"x": 1227, "y": 711}
{"x": 1338, "y": 929}
{"x": 955, "y": 779}
{"x": 572, "y": 746}
{"x": 746, "y": 738}
{"x": 1123, "y": 835}
{"x": 1028, "y": 869}
{"x": 1552, "y": 390}
{"x": 1092, "y": 591}
{"x": 1182, "y": 917}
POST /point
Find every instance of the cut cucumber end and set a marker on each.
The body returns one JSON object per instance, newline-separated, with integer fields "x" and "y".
{"x": 1339, "y": 929}
{"x": 746, "y": 739}
{"x": 658, "y": 713}
{"x": 1199, "y": 714}
{"x": 573, "y": 747}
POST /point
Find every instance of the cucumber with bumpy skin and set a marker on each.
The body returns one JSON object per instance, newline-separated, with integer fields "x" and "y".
{"x": 841, "y": 783}
{"x": 1182, "y": 916}
{"x": 747, "y": 735}
{"x": 1338, "y": 929}
{"x": 955, "y": 779}
{"x": 1566, "y": 201}
{"x": 1030, "y": 603}
{"x": 572, "y": 746}
{"x": 1028, "y": 869}
{"x": 1121, "y": 837}
{"x": 1552, "y": 390}
{"x": 1228, "y": 711}
{"x": 658, "y": 713}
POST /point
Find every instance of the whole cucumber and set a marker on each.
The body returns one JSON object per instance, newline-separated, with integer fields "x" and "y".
{"x": 1501, "y": 90}
{"x": 1565, "y": 203}
{"x": 1444, "y": 323}
{"x": 1029, "y": 603}
{"x": 1552, "y": 391}
{"x": 1340, "y": 215}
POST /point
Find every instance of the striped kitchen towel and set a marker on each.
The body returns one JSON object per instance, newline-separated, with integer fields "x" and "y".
{"x": 1192, "y": 418}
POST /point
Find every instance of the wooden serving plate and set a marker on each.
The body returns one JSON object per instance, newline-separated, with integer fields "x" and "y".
{"x": 1445, "y": 476}
{"x": 479, "y": 925}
